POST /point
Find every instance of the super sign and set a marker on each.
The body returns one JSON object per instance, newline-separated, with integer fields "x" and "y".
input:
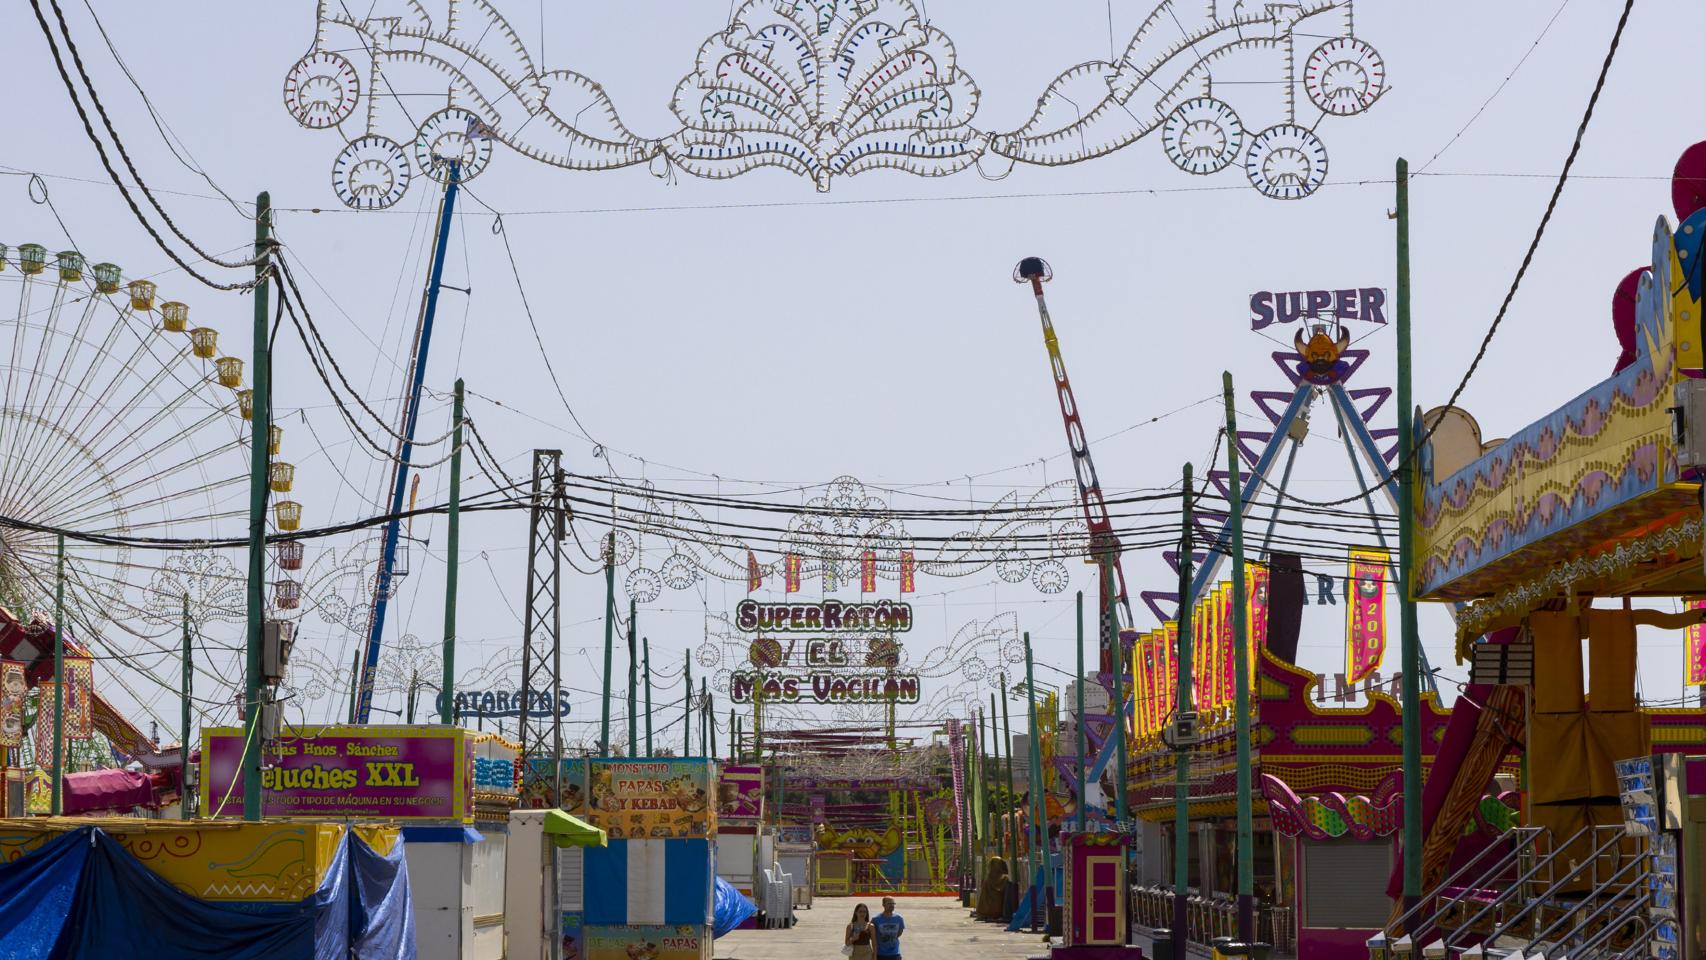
{"x": 1367, "y": 304}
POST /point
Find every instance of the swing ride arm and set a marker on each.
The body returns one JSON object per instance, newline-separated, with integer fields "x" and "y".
{"x": 1114, "y": 613}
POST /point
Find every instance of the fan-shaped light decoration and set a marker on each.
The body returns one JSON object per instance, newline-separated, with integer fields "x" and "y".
{"x": 174, "y": 316}
{"x": 142, "y": 295}
{"x": 32, "y": 258}
{"x": 275, "y": 439}
{"x": 229, "y": 371}
{"x": 70, "y": 264}
{"x": 281, "y": 476}
{"x": 246, "y": 404}
{"x": 288, "y": 515}
{"x": 288, "y": 554}
{"x": 679, "y": 572}
{"x": 106, "y": 277}
{"x": 287, "y": 593}
{"x": 204, "y": 342}
{"x": 643, "y": 585}
{"x": 1050, "y": 577}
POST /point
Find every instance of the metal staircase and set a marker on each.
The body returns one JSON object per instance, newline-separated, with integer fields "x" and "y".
{"x": 1586, "y": 898}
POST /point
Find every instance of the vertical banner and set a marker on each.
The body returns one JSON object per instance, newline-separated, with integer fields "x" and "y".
{"x": 1693, "y": 647}
{"x": 1201, "y": 668}
{"x": 1170, "y": 644}
{"x": 13, "y": 687}
{"x": 79, "y": 692}
{"x": 1141, "y": 689}
{"x": 868, "y": 572}
{"x": 1365, "y": 635}
{"x": 791, "y": 572}
{"x": 754, "y": 576}
{"x": 43, "y": 730}
{"x": 908, "y": 582}
{"x": 1256, "y": 594}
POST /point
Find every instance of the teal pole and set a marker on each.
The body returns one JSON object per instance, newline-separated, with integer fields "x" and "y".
{"x": 447, "y": 687}
{"x": 646, "y": 653}
{"x": 1012, "y": 804}
{"x": 687, "y": 709}
{"x": 1181, "y": 783}
{"x": 59, "y": 683}
{"x": 184, "y": 741}
{"x": 609, "y": 640}
{"x": 633, "y": 678}
{"x": 1039, "y": 811}
{"x": 260, "y": 436}
{"x": 1078, "y": 724}
{"x": 1241, "y": 677}
{"x": 1410, "y": 639}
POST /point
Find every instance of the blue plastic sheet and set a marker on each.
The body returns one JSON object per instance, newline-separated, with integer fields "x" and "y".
{"x": 730, "y": 908}
{"x": 82, "y": 895}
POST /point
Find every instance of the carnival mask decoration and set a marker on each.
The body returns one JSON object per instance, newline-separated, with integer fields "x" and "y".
{"x": 1321, "y": 352}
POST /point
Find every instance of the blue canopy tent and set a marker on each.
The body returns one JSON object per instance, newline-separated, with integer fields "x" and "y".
{"x": 82, "y": 895}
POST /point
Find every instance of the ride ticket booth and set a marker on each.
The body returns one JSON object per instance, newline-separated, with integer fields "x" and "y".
{"x": 1095, "y": 920}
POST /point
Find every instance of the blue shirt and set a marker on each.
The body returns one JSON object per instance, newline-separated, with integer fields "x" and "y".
{"x": 888, "y": 927}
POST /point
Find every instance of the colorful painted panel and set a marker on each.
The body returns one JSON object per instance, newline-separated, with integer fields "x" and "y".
{"x": 373, "y": 772}
{"x": 740, "y": 793}
{"x": 13, "y": 689}
{"x": 651, "y": 798}
{"x": 1332, "y": 815}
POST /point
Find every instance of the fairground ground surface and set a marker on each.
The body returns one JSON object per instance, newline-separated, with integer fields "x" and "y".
{"x": 937, "y": 928}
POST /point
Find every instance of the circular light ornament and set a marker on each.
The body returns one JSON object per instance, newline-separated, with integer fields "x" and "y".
{"x": 1202, "y": 136}
{"x": 321, "y": 90}
{"x": 452, "y": 134}
{"x": 1344, "y": 76}
{"x": 1286, "y": 162}
{"x": 643, "y": 585}
{"x": 371, "y": 173}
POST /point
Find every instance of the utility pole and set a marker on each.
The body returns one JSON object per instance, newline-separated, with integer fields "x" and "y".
{"x": 687, "y": 709}
{"x": 1410, "y": 639}
{"x": 1181, "y": 783}
{"x": 1039, "y": 811}
{"x": 707, "y": 726}
{"x": 633, "y": 675}
{"x": 1078, "y": 722}
{"x": 999, "y": 811}
{"x": 983, "y": 825}
{"x": 1241, "y": 676}
{"x": 609, "y": 639}
{"x": 541, "y": 634}
{"x": 1007, "y": 741}
{"x": 646, "y": 653}
{"x": 260, "y": 437}
{"x": 447, "y": 689}
{"x": 184, "y": 741}
{"x": 59, "y": 683}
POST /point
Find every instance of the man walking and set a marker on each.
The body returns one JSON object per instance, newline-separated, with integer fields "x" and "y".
{"x": 889, "y": 928}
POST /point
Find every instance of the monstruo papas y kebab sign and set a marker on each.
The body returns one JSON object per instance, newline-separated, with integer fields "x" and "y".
{"x": 824, "y": 652}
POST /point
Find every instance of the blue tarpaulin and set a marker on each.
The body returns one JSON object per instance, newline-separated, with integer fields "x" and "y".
{"x": 82, "y": 895}
{"x": 730, "y": 910}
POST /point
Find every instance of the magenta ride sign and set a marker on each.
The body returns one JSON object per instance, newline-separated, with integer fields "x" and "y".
{"x": 344, "y": 772}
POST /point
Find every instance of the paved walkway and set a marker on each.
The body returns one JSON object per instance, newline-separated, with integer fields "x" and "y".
{"x": 937, "y": 928}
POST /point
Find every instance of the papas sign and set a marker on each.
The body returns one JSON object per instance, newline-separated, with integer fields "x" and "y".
{"x": 358, "y": 772}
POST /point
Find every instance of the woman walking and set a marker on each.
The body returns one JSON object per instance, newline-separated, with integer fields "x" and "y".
{"x": 858, "y": 942}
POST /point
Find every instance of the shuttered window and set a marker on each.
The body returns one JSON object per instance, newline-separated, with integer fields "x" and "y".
{"x": 571, "y": 879}
{"x": 1345, "y": 883}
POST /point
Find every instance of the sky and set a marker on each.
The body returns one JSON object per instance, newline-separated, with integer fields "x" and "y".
{"x": 754, "y": 335}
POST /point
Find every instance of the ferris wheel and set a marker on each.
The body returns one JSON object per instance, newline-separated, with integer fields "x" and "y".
{"x": 121, "y": 416}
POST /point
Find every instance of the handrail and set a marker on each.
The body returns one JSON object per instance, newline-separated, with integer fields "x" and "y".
{"x": 1618, "y": 836}
{"x": 1631, "y": 912}
{"x": 1403, "y": 919}
{"x": 1639, "y": 860}
{"x": 1545, "y": 861}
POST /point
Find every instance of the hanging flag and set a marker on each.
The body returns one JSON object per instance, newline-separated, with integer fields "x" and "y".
{"x": 43, "y": 730}
{"x": 1256, "y": 594}
{"x": 754, "y": 575}
{"x": 791, "y": 572}
{"x": 1693, "y": 646}
{"x": 1155, "y": 661}
{"x": 907, "y": 584}
{"x": 1228, "y": 647}
{"x": 868, "y": 572}
{"x": 1201, "y": 629}
{"x": 79, "y": 692}
{"x": 13, "y": 687}
{"x": 1170, "y": 653}
{"x": 1365, "y": 637}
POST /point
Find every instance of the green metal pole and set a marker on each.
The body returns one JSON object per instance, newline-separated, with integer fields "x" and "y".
{"x": 59, "y": 683}
{"x": 1410, "y": 639}
{"x": 1039, "y": 811}
{"x": 260, "y": 436}
{"x": 739, "y": 740}
{"x": 646, "y": 654}
{"x": 1241, "y": 677}
{"x": 1078, "y": 724}
{"x": 999, "y": 808}
{"x": 1181, "y": 783}
{"x": 184, "y": 741}
{"x": 609, "y": 640}
{"x": 1012, "y": 804}
{"x": 1116, "y": 653}
{"x": 633, "y": 677}
{"x": 354, "y": 684}
{"x": 687, "y": 709}
{"x": 447, "y": 688}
